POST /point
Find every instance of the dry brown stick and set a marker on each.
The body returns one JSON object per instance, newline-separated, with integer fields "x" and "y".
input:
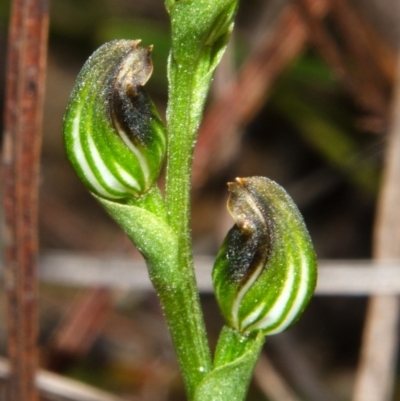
{"x": 244, "y": 98}
{"x": 367, "y": 97}
{"x": 376, "y": 373}
{"x": 23, "y": 117}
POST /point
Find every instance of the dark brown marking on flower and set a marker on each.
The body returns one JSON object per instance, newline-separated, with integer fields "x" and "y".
{"x": 249, "y": 242}
{"x": 130, "y": 106}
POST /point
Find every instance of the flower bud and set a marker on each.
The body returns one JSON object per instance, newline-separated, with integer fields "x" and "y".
{"x": 114, "y": 138}
{"x": 265, "y": 272}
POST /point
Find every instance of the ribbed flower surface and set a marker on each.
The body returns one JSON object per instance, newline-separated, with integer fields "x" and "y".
{"x": 265, "y": 272}
{"x": 114, "y": 138}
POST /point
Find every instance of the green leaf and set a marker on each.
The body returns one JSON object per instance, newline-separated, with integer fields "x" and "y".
{"x": 235, "y": 358}
{"x": 144, "y": 221}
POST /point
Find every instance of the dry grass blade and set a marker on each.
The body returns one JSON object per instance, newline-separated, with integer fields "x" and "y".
{"x": 376, "y": 374}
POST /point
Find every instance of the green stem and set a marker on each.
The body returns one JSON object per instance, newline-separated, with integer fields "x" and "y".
{"x": 182, "y": 131}
{"x": 183, "y": 119}
{"x": 200, "y": 30}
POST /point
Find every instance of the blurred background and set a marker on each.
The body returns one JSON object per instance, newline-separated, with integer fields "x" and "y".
{"x": 302, "y": 96}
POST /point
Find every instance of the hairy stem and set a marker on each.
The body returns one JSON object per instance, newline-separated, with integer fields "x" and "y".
{"x": 183, "y": 119}
{"x": 200, "y": 30}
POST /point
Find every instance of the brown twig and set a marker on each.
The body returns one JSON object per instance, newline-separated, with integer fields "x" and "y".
{"x": 376, "y": 374}
{"x": 23, "y": 117}
{"x": 244, "y": 98}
